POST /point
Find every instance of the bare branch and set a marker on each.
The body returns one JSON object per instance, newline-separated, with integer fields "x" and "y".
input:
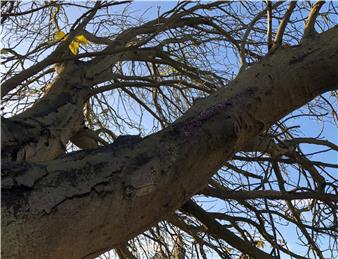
{"x": 269, "y": 22}
{"x": 249, "y": 28}
{"x": 281, "y": 29}
{"x": 271, "y": 195}
{"x": 309, "y": 29}
{"x": 219, "y": 231}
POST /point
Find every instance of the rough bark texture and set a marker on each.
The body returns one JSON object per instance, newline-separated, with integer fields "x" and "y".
{"x": 42, "y": 132}
{"x": 82, "y": 204}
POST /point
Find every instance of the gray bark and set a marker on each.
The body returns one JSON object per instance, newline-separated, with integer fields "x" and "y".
{"x": 82, "y": 204}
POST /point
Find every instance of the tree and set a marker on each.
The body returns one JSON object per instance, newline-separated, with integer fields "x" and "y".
{"x": 109, "y": 72}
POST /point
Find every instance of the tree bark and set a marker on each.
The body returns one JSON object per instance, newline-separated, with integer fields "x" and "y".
{"x": 41, "y": 132}
{"x": 82, "y": 204}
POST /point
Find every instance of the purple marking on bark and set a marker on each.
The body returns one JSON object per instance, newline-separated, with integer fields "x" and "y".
{"x": 189, "y": 128}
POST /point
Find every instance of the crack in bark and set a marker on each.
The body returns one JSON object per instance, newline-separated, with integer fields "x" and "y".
{"x": 94, "y": 189}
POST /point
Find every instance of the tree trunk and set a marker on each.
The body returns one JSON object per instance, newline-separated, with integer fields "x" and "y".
{"x": 82, "y": 204}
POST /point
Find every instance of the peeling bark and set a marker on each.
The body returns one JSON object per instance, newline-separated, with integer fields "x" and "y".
{"x": 42, "y": 132}
{"x": 82, "y": 204}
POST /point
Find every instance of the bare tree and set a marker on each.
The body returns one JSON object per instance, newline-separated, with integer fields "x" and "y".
{"x": 169, "y": 132}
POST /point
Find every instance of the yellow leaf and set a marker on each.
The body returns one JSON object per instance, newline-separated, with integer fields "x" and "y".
{"x": 260, "y": 244}
{"x": 81, "y": 39}
{"x": 74, "y": 47}
{"x": 60, "y": 35}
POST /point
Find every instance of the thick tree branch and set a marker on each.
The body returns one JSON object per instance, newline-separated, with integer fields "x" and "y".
{"x": 42, "y": 131}
{"x": 106, "y": 196}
